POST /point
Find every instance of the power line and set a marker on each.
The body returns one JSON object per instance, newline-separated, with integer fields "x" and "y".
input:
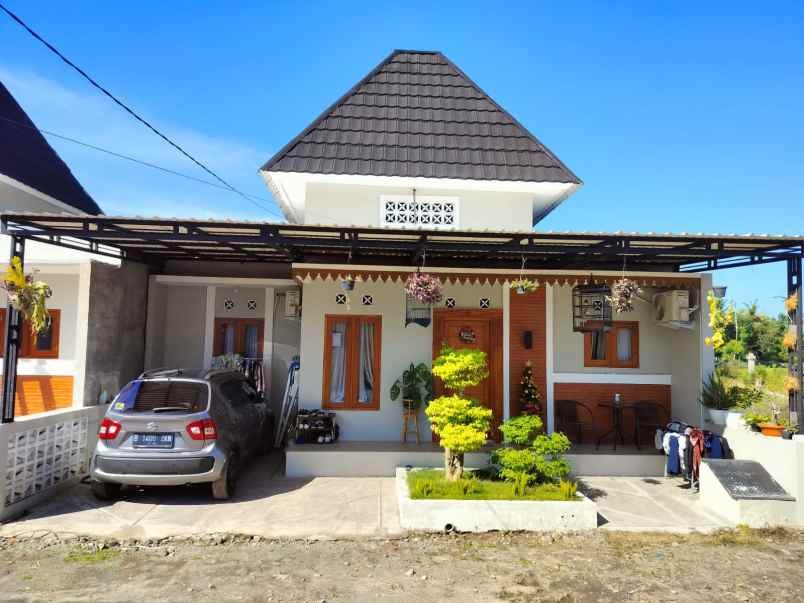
{"x": 135, "y": 160}
{"x": 126, "y": 108}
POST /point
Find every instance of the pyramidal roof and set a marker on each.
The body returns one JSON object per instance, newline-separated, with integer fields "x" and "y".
{"x": 27, "y": 157}
{"x": 416, "y": 114}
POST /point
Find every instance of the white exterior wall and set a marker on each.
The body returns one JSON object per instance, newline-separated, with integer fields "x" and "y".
{"x": 666, "y": 356}
{"x": 400, "y": 346}
{"x": 350, "y": 204}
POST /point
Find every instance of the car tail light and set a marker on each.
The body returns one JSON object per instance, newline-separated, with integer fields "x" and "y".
{"x": 202, "y": 430}
{"x": 109, "y": 429}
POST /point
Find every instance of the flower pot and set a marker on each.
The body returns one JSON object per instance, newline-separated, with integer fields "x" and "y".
{"x": 723, "y": 417}
{"x": 347, "y": 284}
{"x": 771, "y": 429}
{"x": 521, "y": 290}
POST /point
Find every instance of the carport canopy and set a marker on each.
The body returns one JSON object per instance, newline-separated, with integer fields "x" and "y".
{"x": 157, "y": 240}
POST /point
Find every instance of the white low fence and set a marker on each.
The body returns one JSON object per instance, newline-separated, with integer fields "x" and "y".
{"x": 44, "y": 453}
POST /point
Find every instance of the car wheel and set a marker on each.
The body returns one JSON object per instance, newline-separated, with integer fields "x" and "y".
{"x": 223, "y": 488}
{"x": 105, "y": 490}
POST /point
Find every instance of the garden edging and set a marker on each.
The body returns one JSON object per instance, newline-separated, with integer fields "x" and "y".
{"x": 492, "y": 515}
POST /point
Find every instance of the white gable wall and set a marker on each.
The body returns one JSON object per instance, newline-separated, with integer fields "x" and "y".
{"x": 355, "y": 200}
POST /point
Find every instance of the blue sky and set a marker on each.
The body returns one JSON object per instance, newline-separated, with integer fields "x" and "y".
{"x": 678, "y": 117}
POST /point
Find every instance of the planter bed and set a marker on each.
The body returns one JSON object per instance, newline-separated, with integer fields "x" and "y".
{"x": 492, "y": 515}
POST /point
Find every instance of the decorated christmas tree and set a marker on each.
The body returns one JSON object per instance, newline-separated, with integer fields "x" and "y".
{"x": 530, "y": 401}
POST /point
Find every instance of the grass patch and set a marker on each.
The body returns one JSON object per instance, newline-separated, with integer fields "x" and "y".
{"x": 430, "y": 484}
{"x": 92, "y": 557}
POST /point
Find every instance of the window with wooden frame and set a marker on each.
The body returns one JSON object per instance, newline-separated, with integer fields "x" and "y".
{"x": 616, "y": 348}
{"x": 44, "y": 345}
{"x": 352, "y": 362}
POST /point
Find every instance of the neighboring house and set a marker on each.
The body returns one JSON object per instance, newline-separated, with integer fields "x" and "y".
{"x": 34, "y": 178}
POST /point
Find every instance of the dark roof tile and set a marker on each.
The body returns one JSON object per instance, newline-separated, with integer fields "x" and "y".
{"x": 417, "y": 114}
{"x": 28, "y": 158}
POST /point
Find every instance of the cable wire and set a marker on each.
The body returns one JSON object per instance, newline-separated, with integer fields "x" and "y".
{"x": 126, "y": 108}
{"x": 135, "y": 160}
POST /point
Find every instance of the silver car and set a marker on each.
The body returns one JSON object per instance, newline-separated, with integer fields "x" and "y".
{"x": 175, "y": 427}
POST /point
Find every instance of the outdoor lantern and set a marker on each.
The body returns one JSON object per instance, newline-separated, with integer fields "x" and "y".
{"x": 590, "y": 310}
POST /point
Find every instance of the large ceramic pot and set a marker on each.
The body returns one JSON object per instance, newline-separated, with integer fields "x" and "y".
{"x": 723, "y": 417}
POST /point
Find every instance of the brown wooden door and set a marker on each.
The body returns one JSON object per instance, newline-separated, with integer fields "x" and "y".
{"x": 242, "y": 336}
{"x": 479, "y": 330}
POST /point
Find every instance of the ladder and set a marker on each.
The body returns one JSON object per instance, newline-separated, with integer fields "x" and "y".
{"x": 290, "y": 403}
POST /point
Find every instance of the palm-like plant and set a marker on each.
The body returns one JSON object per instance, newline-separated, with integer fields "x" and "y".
{"x": 27, "y": 296}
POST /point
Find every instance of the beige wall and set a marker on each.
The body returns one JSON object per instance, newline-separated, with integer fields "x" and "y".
{"x": 400, "y": 346}
{"x": 663, "y": 352}
{"x": 359, "y": 205}
{"x": 240, "y": 296}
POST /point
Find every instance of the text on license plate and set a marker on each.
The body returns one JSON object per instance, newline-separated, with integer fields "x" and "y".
{"x": 153, "y": 440}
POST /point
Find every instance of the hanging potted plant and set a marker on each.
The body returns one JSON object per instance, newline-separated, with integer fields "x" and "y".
{"x": 790, "y": 384}
{"x": 27, "y": 296}
{"x": 791, "y": 303}
{"x": 623, "y": 292}
{"x": 348, "y": 283}
{"x": 425, "y": 288}
{"x": 524, "y": 285}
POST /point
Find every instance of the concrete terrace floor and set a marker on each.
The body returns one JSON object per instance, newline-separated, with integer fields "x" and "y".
{"x": 271, "y": 506}
{"x": 265, "y": 504}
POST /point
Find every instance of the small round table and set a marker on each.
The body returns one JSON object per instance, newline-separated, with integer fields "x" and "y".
{"x": 616, "y": 431}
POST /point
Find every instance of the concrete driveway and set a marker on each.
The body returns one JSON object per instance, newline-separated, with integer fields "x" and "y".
{"x": 266, "y": 504}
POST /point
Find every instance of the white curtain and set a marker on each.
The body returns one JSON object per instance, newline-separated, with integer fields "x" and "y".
{"x": 366, "y": 388}
{"x": 624, "y": 344}
{"x": 337, "y": 375}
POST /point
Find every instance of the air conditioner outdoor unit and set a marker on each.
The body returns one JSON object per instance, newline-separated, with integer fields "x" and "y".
{"x": 672, "y": 309}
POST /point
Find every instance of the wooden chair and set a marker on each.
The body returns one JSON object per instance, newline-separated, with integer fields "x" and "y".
{"x": 648, "y": 416}
{"x": 569, "y": 419}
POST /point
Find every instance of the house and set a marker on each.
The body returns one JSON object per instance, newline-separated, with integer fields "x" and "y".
{"x": 34, "y": 178}
{"x": 414, "y": 169}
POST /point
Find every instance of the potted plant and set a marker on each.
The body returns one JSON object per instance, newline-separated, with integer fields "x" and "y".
{"x": 718, "y": 399}
{"x": 424, "y": 287}
{"x": 790, "y": 429}
{"x": 791, "y": 303}
{"x": 623, "y": 292}
{"x": 415, "y": 385}
{"x": 27, "y": 296}
{"x": 754, "y": 419}
{"x": 774, "y": 426}
{"x": 524, "y": 285}
{"x": 348, "y": 283}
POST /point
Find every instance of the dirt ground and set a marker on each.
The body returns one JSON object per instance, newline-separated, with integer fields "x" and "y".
{"x": 741, "y": 565}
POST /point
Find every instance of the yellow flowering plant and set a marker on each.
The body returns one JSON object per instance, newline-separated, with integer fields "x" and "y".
{"x": 27, "y": 295}
{"x": 718, "y": 321}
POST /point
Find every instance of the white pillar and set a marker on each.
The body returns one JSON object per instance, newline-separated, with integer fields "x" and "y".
{"x": 506, "y": 308}
{"x": 549, "y": 351}
{"x": 209, "y": 326}
{"x": 268, "y": 337}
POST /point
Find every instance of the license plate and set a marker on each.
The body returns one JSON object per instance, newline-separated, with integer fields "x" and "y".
{"x": 153, "y": 440}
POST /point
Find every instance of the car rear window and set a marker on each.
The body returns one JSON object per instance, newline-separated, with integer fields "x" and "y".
{"x": 162, "y": 396}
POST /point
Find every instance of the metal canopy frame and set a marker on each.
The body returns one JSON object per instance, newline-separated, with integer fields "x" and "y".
{"x": 155, "y": 241}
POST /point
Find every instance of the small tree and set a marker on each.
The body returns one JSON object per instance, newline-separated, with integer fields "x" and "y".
{"x": 531, "y": 456}
{"x": 530, "y": 401}
{"x": 461, "y": 423}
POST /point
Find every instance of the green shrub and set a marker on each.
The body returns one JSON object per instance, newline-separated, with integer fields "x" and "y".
{"x": 531, "y": 456}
